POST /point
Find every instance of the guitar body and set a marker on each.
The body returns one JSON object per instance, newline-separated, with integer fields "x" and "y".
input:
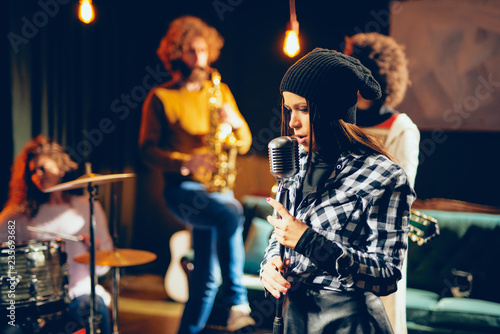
{"x": 176, "y": 278}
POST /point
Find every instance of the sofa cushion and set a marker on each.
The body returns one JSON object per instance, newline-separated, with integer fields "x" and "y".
{"x": 419, "y": 304}
{"x": 424, "y": 308}
{"x": 431, "y": 266}
{"x": 460, "y": 222}
{"x": 466, "y": 313}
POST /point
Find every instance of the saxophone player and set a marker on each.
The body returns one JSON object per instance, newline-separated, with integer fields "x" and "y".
{"x": 174, "y": 136}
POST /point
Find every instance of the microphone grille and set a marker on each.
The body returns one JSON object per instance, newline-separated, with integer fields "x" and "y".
{"x": 283, "y": 157}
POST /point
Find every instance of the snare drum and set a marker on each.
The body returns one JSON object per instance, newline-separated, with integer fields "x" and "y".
{"x": 34, "y": 272}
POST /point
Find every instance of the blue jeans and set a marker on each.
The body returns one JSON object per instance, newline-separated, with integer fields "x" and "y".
{"x": 79, "y": 310}
{"x": 217, "y": 228}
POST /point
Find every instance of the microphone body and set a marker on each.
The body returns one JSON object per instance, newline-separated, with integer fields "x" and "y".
{"x": 283, "y": 161}
{"x": 283, "y": 157}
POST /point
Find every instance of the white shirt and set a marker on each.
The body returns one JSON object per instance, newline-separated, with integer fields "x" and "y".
{"x": 68, "y": 218}
{"x": 402, "y": 141}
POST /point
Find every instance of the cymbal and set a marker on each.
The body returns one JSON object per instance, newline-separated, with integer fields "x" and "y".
{"x": 117, "y": 258}
{"x": 84, "y": 180}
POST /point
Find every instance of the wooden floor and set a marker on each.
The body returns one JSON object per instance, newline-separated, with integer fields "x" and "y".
{"x": 144, "y": 308}
{"x": 138, "y": 316}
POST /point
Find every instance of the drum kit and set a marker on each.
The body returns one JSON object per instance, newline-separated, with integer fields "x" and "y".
{"x": 40, "y": 273}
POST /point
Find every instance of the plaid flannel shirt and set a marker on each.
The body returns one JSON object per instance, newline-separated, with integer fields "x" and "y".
{"x": 363, "y": 213}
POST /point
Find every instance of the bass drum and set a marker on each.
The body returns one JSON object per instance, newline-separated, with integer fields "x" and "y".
{"x": 33, "y": 282}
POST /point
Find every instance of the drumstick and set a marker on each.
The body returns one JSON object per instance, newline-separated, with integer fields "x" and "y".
{"x": 57, "y": 234}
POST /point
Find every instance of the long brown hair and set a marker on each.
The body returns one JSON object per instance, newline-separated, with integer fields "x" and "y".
{"x": 328, "y": 131}
{"x": 24, "y": 196}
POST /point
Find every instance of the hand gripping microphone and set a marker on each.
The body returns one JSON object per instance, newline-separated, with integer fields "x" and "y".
{"x": 284, "y": 164}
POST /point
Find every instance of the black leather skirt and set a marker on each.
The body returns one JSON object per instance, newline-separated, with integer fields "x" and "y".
{"x": 313, "y": 311}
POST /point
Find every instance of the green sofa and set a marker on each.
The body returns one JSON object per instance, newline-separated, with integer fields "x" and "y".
{"x": 468, "y": 246}
{"x": 452, "y": 279}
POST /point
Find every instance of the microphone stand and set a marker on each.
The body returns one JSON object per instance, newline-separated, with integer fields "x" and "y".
{"x": 116, "y": 270}
{"x": 93, "y": 318}
{"x": 278, "y": 319}
{"x": 284, "y": 163}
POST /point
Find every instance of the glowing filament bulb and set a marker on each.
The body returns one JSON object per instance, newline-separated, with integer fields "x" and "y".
{"x": 291, "y": 46}
{"x": 86, "y": 11}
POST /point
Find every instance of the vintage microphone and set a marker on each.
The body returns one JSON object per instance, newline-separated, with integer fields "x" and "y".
{"x": 284, "y": 164}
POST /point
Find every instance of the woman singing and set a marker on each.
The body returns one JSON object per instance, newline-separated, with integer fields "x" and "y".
{"x": 345, "y": 226}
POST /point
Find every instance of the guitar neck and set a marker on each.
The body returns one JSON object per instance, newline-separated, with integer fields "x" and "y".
{"x": 422, "y": 227}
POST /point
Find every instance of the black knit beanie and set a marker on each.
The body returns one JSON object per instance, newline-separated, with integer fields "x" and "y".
{"x": 331, "y": 80}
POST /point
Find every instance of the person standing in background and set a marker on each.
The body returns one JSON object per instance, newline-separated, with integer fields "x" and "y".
{"x": 387, "y": 61}
{"x": 174, "y": 137}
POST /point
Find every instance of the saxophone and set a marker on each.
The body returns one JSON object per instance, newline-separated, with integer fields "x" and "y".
{"x": 222, "y": 143}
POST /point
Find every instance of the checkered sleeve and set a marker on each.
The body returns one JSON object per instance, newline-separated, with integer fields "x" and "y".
{"x": 376, "y": 267}
{"x": 272, "y": 250}
{"x": 358, "y": 228}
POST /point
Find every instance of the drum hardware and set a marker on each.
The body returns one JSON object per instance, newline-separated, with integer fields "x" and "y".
{"x": 38, "y": 273}
{"x": 117, "y": 258}
{"x": 91, "y": 180}
{"x": 34, "y": 287}
{"x": 30, "y": 262}
{"x": 56, "y": 234}
{"x": 83, "y": 181}
{"x": 37, "y": 284}
{"x": 10, "y": 280}
{"x": 116, "y": 270}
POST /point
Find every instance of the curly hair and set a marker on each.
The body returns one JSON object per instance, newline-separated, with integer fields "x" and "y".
{"x": 181, "y": 32}
{"x": 386, "y": 60}
{"x": 24, "y": 196}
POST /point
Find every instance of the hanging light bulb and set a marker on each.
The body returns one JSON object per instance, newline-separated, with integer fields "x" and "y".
{"x": 86, "y": 11}
{"x": 291, "y": 47}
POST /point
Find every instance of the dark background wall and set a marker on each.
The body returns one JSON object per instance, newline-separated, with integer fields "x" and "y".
{"x": 84, "y": 85}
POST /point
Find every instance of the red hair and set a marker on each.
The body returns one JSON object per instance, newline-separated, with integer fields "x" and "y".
{"x": 24, "y": 196}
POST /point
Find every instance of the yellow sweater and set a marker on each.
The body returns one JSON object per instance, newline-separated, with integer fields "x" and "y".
{"x": 175, "y": 123}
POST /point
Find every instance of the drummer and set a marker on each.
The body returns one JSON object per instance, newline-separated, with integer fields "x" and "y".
{"x": 43, "y": 164}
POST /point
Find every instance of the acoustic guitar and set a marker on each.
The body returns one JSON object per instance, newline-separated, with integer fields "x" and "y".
{"x": 177, "y": 276}
{"x": 422, "y": 227}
